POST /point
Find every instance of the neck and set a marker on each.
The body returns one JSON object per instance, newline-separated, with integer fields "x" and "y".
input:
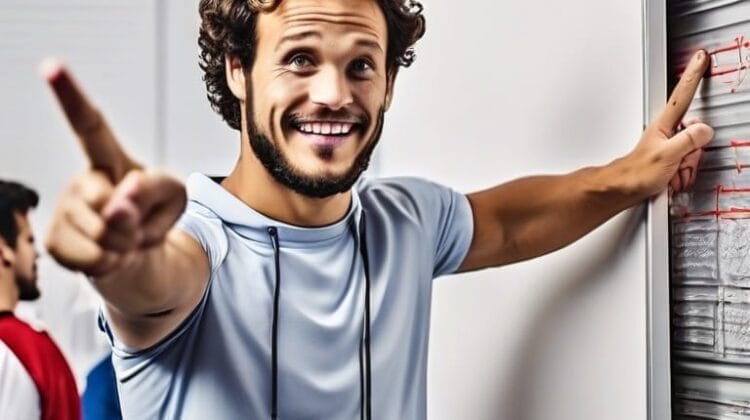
{"x": 251, "y": 183}
{"x": 8, "y": 291}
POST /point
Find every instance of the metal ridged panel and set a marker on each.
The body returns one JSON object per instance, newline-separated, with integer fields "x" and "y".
{"x": 710, "y": 225}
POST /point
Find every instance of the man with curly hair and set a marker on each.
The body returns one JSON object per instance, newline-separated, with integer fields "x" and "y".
{"x": 291, "y": 288}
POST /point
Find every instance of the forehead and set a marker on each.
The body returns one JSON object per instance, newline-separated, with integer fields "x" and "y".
{"x": 361, "y": 17}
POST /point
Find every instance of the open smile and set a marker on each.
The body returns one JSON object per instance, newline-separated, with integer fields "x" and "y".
{"x": 326, "y": 133}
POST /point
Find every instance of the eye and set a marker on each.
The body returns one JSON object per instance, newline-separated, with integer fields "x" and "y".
{"x": 300, "y": 61}
{"x": 361, "y": 66}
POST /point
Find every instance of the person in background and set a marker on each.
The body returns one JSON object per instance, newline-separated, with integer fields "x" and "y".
{"x": 35, "y": 379}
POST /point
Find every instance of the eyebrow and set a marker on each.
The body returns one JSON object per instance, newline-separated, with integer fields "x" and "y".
{"x": 315, "y": 34}
{"x": 298, "y": 37}
{"x": 369, "y": 44}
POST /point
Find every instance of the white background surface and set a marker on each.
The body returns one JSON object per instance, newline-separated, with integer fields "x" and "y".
{"x": 498, "y": 91}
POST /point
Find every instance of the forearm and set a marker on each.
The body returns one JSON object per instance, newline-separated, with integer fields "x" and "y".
{"x": 536, "y": 215}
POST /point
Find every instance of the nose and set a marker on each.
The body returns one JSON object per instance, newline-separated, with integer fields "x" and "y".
{"x": 330, "y": 88}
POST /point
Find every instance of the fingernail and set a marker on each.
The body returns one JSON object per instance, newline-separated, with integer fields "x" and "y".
{"x": 699, "y": 55}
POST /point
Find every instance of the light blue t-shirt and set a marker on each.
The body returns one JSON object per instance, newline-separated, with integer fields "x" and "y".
{"x": 217, "y": 363}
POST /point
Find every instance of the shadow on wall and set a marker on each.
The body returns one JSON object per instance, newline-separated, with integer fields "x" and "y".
{"x": 519, "y": 402}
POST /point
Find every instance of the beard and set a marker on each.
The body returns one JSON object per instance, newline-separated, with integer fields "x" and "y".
{"x": 27, "y": 289}
{"x": 311, "y": 186}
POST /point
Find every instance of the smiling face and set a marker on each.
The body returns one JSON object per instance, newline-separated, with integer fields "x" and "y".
{"x": 317, "y": 92}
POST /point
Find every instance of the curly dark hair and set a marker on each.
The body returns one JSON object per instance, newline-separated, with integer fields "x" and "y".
{"x": 228, "y": 27}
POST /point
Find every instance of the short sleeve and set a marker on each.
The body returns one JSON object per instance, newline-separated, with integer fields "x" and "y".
{"x": 207, "y": 228}
{"x": 19, "y": 398}
{"x": 443, "y": 214}
{"x": 454, "y": 231}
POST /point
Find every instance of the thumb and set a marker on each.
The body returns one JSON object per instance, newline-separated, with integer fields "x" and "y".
{"x": 693, "y": 137}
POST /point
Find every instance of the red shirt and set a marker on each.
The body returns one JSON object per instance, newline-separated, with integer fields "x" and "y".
{"x": 45, "y": 365}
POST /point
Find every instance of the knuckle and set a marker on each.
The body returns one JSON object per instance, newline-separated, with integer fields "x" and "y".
{"x": 656, "y": 157}
{"x": 690, "y": 135}
{"x": 91, "y": 183}
{"x": 135, "y": 180}
{"x": 98, "y": 230}
{"x": 50, "y": 244}
{"x": 96, "y": 190}
{"x": 77, "y": 184}
{"x": 690, "y": 77}
{"x": 137, "y": 175}
{"x": 100, "y": 180}
{"x": 95, "y": 257}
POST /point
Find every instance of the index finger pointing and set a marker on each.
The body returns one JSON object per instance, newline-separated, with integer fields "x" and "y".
{"x": 98, "y": 141}
{"x": 683, "y": 93}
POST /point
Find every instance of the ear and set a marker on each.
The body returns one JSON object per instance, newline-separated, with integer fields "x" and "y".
{"x": 390, "y": 83}
{"x": 7, "y": 256}
{"x": 235, "y": 74}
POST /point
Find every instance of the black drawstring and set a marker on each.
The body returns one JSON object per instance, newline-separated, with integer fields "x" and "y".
{"x": 275, "y": 327}
{"x": 366, "y": 263}
{"x": 364, "y": 371}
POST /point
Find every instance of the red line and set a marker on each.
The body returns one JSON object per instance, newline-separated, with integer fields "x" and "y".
{"x": 739, "y": 143}
{"x": 717, "y": 213}
{"x": 731, "y": 47}
{"x": 719, "y": 72}
{"x": 739, "y": 43}
{"x": 723, "y": 71}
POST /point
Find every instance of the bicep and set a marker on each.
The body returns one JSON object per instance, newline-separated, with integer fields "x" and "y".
{"x": 488, "y": 247}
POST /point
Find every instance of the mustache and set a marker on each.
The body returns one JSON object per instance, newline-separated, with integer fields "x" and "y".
{"x": 338, "y": 116}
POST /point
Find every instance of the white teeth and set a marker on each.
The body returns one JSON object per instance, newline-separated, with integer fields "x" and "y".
{"x": 326, "y": 128}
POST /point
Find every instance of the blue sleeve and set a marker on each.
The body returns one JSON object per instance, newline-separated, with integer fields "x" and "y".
{"x": 206, "y": 228}
{"x": 444, "y": 216}
{"x": 453, "y": 227}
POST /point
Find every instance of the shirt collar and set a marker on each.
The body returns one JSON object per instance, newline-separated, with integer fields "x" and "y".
{"x": 250, "y": 223}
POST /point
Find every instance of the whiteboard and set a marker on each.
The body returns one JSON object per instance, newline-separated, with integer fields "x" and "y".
{"x": 710, "y": 225}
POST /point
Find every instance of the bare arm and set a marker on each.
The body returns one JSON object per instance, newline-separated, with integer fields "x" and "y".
{"x": 115, "y": 223}
{"x": 152, "y": 294}
{"x": 532, "y": 216}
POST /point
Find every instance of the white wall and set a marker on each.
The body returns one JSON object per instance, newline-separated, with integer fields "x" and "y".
{"x": 501, "y": 90}
{"x": 112, "y": 49}
{"x": 498, "y": 91}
